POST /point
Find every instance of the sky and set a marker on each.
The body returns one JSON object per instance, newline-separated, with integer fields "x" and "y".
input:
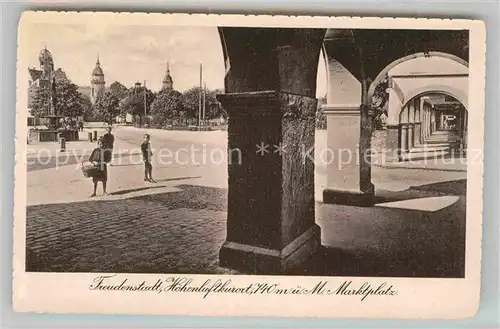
{"x": 130, "y": 53}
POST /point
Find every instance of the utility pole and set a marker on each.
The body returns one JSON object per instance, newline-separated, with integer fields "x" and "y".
{"x": 145, "y": 100}
{"x": 204, "y": 99}
{"x": 199, "y": 98}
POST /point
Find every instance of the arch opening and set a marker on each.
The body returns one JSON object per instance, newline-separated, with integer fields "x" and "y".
{"x": 385, "y": 72}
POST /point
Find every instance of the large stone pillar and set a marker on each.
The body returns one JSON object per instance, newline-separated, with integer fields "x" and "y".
{"x": 348, "y": 132}
{"x": 270, "y": 100}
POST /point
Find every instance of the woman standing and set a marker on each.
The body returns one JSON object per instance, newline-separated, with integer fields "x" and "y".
{"x": 97, "y": 158}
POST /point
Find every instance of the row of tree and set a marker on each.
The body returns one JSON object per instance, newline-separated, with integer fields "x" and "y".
{"x": 166, "y": 104}
{"x": 119, "y": 100}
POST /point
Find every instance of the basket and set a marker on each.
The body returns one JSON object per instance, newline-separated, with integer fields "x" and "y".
{"x": 90, "y": 170}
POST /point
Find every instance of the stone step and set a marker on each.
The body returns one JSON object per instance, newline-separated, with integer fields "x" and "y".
{"x": 435, "y": 144}
{"x": 424, "y": 155}
{"x": 427, "y": 148}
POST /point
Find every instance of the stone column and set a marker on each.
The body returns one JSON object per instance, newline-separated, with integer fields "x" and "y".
{"x": 465, "y": 129}
{"x": 424, "y": 123}
{"x": 393, "y": 141}
{"x": 418, "y": 123}
{"x": 405, "y": 120}
{"x": 421, "y": 107}
{"x": 349, "y": 172}
{"x": 404, "y": 140}
{"x": 433, "y": 121}
{"x": 270, "y": 100}
{"x": 411, "y": 124}
{"x": 428, "y": 122}
{"x": 393, "y": 127}
{"x": 270, "y": 223}
{"x": 348, "y": 130}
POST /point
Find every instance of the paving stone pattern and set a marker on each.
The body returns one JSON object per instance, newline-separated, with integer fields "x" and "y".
{"x": 179, "y": 232}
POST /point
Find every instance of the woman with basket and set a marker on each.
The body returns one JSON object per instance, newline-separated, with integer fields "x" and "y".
{"x": 98, "y": 170}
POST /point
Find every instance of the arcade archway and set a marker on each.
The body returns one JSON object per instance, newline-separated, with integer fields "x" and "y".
{"x": 270, "y": 86}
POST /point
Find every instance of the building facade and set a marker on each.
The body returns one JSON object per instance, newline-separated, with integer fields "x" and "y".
{"x": 44, "y": 76}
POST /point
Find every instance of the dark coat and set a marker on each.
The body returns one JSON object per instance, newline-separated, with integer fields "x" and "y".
{"x": 146, "y": 152}
{"x": 98, "y": 156}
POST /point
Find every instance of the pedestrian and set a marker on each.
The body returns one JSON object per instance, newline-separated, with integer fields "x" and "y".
{"x": 108, "y": 140}
{"x": 146, "y": 157}
{"x": 97, "y": 158}
{"x": 80, "y": 125}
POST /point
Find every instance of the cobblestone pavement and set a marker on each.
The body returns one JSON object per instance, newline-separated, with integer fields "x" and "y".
{"x": 178, "y": 232}
{"x": 181, "y": 232}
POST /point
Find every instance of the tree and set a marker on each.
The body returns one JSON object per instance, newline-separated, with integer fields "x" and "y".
{"x": 119, "y": 90}
{"x": 380, "y": 95}
{"x": 213, "y": 108}
{"x": 379, "y": 103}
{"x": 107, "y": 107}
{"x": 320, "y": 115}
{"x": 133, "y": 103}
{"x": 88, "y": 110}
{"x": 167, "y": 105}
{"x": 68, "y": 101}
{"x": 41, "y": 102}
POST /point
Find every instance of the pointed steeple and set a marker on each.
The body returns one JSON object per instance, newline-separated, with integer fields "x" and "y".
{"x": 167, "y": 80}
{"x": 97, "y": 69}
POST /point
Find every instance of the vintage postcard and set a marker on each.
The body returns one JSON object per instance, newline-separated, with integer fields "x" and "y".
{"x": 248, "y": 165}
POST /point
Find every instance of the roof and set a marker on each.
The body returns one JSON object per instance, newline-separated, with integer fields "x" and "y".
{"x": 97, "y": 70}
{"x": 45, "y": 56}
{"x": 35, "y": 74}
{"x": 167, "y": 78}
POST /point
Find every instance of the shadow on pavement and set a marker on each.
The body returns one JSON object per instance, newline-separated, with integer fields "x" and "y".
{"x": 182, "y": 232}
{"x": 122, "y": 192}
{"x": 454, "y": 187}
{"x": 176, "y": 178}
{"x": 68, "y": 159}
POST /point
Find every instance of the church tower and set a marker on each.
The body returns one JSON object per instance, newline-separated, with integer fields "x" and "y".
{"x": 97, "y": 83}
{"x": 168, "y": 84}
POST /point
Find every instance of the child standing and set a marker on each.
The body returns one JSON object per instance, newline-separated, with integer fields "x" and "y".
{"x": 146, "y": 157}
{"x": 97, "y": 158}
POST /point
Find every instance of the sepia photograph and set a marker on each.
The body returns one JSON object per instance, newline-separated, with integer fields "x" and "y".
{"x": 297, "y": 151}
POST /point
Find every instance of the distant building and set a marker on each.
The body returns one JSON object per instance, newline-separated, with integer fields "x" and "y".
{"x": 85, "y": 91}
{"x": 44, "y": 76}
{"x": 97, "y": 82}
{"x": 168, "y": 83}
